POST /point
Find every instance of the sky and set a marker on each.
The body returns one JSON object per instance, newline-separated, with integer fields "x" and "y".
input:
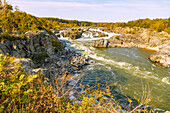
{"x": 96, "y": 10}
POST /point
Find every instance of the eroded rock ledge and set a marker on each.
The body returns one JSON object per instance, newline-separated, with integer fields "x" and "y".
{"x": 162, "y": 56}
{"x": 124, "y": 41}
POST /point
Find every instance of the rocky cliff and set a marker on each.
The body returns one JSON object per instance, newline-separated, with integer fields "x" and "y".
{"x": 34, "y": 44}
{"x": 42, "y": 51}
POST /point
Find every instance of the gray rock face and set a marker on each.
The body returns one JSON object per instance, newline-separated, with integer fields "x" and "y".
{"x": 26, "y": 63}
{"x": 126, "y": 41}
{"x": 101, "y": 43}
{"x": 55, "y": 62}
{"x": 162, "y": 56}
{"x": 37, "y": 43}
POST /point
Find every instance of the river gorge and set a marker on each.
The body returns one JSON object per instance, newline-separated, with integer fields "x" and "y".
{"x": 129, "y": 68}
{"x": 128, "y": 72}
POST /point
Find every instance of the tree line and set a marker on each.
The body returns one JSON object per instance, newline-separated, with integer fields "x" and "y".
{"x": 12, "y": 20}
{"x": 155, "y": 24}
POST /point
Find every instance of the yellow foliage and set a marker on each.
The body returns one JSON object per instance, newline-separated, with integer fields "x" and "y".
{"x": 22, "y": 92}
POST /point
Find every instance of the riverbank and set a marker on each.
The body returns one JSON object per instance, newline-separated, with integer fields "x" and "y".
{"x": 59, "y": 66}
{"x": 140, "y": 38}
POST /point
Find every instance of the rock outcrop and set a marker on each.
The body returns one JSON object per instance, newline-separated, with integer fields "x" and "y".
{"x": 152, "y": 38}
{"x": 43, "y": 52}
{"x": 162, "y": 56}
{"x": 35, "y": 44}
{"x": 125, "y": 41}
{"x": 72, "y": 33}
{"x": 64, "y": 62}
{"x": 94, "y": 34}
{"x": 101, "y": 43}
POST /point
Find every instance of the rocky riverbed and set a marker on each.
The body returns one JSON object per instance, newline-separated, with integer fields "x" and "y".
{"x": 72, "y": 33}
{"x": 141, "y": 39}
{"x": 127, "y": 38}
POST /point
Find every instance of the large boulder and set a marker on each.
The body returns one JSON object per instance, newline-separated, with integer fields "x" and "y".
{"x": 162, "y": 56}
{"x": 100, "y": 43}
{"x": 26, "y": 63}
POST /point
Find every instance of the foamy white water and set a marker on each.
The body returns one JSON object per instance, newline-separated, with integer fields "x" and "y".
{"x": 166, "y": 80}
{"x": 135, "y": 70}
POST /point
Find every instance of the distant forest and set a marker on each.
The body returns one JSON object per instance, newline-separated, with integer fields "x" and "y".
{"x": 12, "y": 20}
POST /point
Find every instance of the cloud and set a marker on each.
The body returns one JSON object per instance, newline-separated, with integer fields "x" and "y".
{"x": 96, "y": 10}
{"x": 52, "y": 4}
{"x": 79, "y": 4}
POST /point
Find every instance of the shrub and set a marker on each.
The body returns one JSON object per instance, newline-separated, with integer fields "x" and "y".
{"x": 167, "y": 30}
{"x": 57, "y": 44}
{"x": 21, "y": 92}
{"x": 40, "y": 56}
{"x": 117, "y": 37}
{"x": 159, "y": 29}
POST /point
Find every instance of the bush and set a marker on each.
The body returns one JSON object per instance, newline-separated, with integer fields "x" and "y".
{"x": 117, "y": 37}
{"x": 40, "y": 56}
{"x": 21, "y": 92}
{"x": 167, "y": 30}
{"x": 57, "y": 44}
{"x": 159, "y": 29}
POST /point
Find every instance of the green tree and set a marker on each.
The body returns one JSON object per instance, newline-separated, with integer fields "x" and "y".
{"x": 6, "y": 17}
{"x": 169, "y": 22}
{"x": 159, "y": 29}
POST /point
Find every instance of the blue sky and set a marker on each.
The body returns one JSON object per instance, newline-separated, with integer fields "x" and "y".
{"x": 96, "y": 10}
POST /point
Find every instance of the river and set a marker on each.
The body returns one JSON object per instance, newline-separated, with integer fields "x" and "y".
{"x": 129, "y": 68}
